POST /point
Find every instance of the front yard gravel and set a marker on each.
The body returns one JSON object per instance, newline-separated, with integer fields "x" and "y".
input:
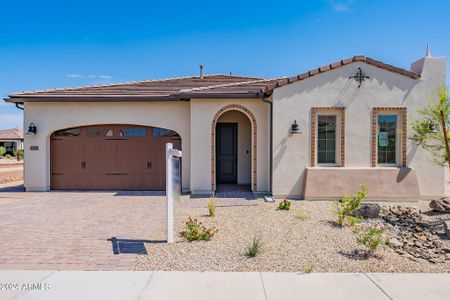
{"x": 289, "y": 243}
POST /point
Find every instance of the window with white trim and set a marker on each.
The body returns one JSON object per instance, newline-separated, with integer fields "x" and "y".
{"x": 389, "y": 138}
{"x": 328, "y": 139}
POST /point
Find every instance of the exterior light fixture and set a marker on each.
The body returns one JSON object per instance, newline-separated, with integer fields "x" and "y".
{"x": 295, "y": 128}
{"x": 359, "y": 77}
{"x": 32, "y": 129}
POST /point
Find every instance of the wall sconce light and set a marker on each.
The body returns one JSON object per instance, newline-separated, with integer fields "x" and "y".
{"x": 32, "y": 129}
{"x": 295, "y": 128}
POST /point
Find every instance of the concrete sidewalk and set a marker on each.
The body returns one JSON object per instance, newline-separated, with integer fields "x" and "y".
{"x": 216, "y": 285}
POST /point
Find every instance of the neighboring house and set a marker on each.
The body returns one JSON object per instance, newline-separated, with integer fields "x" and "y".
{"x": 353, "y": 120}
{"x": 11, "y": 139}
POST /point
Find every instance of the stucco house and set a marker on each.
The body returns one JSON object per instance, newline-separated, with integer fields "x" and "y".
{"x": 316, "y": 135}
{"x": 11, "y": 139}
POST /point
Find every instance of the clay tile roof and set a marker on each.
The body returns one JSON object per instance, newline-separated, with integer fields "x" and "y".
{"x": 184, "y": 88}
{"x": 357, "y": 58}
{"x": 149, "y": 89}
{"x": 251, "y": 88}
{"x": 11, "y": 134}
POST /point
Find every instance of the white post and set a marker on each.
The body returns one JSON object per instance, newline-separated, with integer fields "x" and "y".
{"x": 169, "y": 192}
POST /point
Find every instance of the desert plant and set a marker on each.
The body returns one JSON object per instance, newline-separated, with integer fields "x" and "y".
{"x": 19, "y": 154}
{"x": 309, "y": 268}
{"x": 255, "y": 247}
{"x": 352, "y": 221}
{"x": 371, "y": 236}
{"x": 212, "y": 207}
{"x": 431, "y": 128}
{"x": 196, "y": 231}
{"x": 349, "y": 203}
{"x": 2, "y": 151}
{"x": 302, "y": 216}
{"x": 284, "y": 205}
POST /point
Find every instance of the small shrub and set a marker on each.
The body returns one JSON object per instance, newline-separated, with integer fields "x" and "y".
{"x": 371, "y": 236}
{"x": 19, "y": 153}
{"x": 309, "y": 268}
{"x": 302, "y": 216}
{"x": 284, "y": 205}
{"x": 352, "y": 221}
{"x": 349, "y": 203}
{"x": 2, "y": 151}
{"x": 8, "y": 156}
{"x": 212, "y": 207}
{"x": 196, "y": 231}
{"x": 255, "y": 247}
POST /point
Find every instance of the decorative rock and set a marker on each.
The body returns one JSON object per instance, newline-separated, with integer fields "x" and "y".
{"x": 422, "y": 238}
{"x": 442, "y": 205}
{"x": 367, "y": 210}
{"x": 447, "y": 228}
{"x": 415, "y": 237}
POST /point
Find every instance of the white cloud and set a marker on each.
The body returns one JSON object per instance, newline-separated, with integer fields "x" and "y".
{"x": 90, "y": 76}
{"x": 74, "y": 75}
{"x": 339, "y": 6}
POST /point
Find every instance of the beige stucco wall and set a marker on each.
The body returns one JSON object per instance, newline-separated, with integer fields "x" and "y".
{"x": 291, "y": 153}
{"x": 192, "y": 120}
{"x": 202, "y": 115}
{"x": 244, "y": 144}
{"x": 50, "y": 117}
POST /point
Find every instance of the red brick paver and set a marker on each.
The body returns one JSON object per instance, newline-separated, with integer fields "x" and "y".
{"x": 73, "y": 230}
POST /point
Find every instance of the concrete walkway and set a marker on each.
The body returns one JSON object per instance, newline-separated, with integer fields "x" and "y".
{"x": 214, "y": 285}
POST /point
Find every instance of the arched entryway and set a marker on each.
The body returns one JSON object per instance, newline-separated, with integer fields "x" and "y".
{"x": 110, "y": 157}
{"x": 233, "y": 147}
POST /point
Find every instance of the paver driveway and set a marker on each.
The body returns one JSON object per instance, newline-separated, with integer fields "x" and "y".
{"x": 74, "y": 230}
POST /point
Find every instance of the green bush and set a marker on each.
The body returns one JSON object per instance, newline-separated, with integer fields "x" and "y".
{"x": 309, "y": 268}
{"x": 371, "y": 236}
{"x": 2, "y": 151}
{"x": 255, "y": 247}
{"x": 212, "y": 207}
{"x": 18, "y": 153}
{"x": 196, "y": 231}
{"x": 284, "y": 205}
{"x": 349, "y": 203}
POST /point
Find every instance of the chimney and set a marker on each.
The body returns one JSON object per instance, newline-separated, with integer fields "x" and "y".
{"x": 201, "y": 71}
{"x": 431, "y": 68}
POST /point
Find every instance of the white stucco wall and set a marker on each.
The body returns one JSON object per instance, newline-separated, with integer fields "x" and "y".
{"x": 202, "y": 115}
{"x": 50, "y": 117}
{"x": 244, "y": 144}
{"x": 291, "y": 153}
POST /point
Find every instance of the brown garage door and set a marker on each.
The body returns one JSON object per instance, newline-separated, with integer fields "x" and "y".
{"x": 105, "y": 157}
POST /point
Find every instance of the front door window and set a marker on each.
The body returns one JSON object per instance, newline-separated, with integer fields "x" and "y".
{"x": 387, "y": 139}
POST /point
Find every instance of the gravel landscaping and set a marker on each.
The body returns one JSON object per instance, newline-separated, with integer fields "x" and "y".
{"x": 304, "y": 238}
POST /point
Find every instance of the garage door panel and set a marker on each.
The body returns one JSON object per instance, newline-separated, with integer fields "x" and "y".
{"x": 113, "y": 162}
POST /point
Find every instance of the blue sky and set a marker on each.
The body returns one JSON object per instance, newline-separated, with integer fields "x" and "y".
{"x": 45, "y": 44}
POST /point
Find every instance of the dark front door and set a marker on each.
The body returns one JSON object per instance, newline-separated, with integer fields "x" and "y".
{"x": 226, "y": 144}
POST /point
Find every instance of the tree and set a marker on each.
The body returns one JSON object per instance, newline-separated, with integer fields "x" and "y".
{"x": 430, "y": 130}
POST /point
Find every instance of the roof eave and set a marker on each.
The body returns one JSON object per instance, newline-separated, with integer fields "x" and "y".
{"x": 88, "y": 98}
{"x": 252, "y": 95}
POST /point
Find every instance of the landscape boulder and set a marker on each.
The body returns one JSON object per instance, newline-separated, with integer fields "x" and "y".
{"x": 447, "y": 228}
{"x": 367, "y": 210}
{"x": 442, "y": 205}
